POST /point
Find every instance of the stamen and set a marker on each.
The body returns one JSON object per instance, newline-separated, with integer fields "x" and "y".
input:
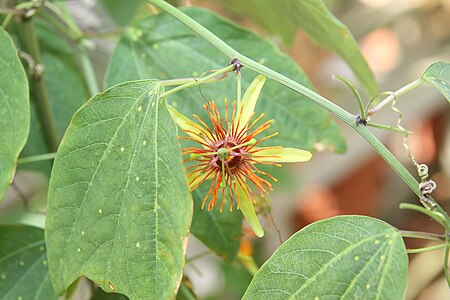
{"x": 228, "y": 155}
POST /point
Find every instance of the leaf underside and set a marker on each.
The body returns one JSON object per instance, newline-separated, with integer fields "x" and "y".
{"x": 119, "y": 206}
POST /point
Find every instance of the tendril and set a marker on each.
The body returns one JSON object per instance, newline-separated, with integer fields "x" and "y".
{"x": 426, "y": 186}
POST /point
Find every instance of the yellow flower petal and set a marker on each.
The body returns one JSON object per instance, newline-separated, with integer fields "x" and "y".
{"x": 282, "y": 154}
{"x": 185, "y": 123}
{"x": 249, "y": 100}
{"x": 247, "y": 209}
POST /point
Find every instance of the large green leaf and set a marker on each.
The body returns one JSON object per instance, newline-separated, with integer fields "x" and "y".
{"x": 345, "y": 257}
{"x": 438, "y": 75}
{"x": 285, "y": 17}
{"x": 162, "y": 47}
{"x": 219, "y": 231}
{"x": 67, "y": 91}
{"x": 119, "y": 206}
{"x": 23, "y": 264}
{"x": 14, "y": 110}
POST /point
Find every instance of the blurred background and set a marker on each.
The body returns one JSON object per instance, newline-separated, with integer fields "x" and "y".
{"x": 399, "y": 39}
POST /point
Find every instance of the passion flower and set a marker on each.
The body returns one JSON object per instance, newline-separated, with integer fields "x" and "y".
{"x": 228, "y": 153}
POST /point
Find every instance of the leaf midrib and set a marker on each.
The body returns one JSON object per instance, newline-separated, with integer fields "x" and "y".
{"x": 128, "y": 180}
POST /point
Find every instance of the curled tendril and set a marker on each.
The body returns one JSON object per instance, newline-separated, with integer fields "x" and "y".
{"x": 427, "y": 187}
{"x": 422, "y": 170}
{"x": 427, "y": 202}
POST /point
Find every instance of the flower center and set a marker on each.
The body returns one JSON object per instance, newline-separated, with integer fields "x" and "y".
{"x": 226, "y": 157}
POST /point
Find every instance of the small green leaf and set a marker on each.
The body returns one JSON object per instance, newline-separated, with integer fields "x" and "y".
{"x": 163, "y": 47}
{"x": 219, "y": 231}
{"x": 14, "y": 110}
{"x": 119, "y": 206}
{"x": 438, "y": 75}
{"x": 23, "y": 264}
{"x": 284, "y": 18}
{"x": 345, "y": 257}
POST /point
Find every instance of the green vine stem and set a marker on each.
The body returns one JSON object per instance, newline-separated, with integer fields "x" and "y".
{"x": 45, "y": 115}
{"x": 70, "y": 28}
{"x": 238, "y": 88}
{"x": 437, "y": 217}
{"x": 35, "y": 158}
{"x": 88, "y": 70}
{"x": 422, "y": 235}
{"x": 426, "y": 249}
{"x": 62, "y": 13}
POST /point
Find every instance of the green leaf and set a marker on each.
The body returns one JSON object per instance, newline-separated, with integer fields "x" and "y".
{"x": 23, "y": 264}
{"x": 119, "y": 206}
{"x": 317, "y": 21}
{"x": 438, "y": 75}
{"x": 67, "y": 91}
{"x": 162, "y": 47}
{"x": 121, "y": 11}
{"x": 221, "y": 232}
{"x": 14, "y": 110}
{"x": 345, "y": 257}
